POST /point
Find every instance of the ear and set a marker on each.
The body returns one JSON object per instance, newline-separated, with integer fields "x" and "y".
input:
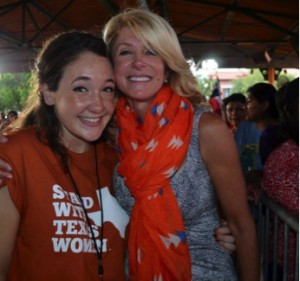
{"x": 265, "y": 105}
{"x": 48, "y": 95}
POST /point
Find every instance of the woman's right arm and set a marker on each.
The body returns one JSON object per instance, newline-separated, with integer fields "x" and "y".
{"x": 5, "y": 168}
{"x": 9, "y": 224}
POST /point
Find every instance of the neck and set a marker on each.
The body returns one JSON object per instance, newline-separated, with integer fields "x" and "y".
{"x": 78, "y": 146}
{"x": 140, "y": 108}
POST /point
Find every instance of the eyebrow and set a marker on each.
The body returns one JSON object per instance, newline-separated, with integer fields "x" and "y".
{"x": 85, "y": 78}
{"x": 122, "y": 44}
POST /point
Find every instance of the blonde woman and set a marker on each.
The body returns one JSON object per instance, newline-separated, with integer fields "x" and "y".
{"x": 175, "y": 159}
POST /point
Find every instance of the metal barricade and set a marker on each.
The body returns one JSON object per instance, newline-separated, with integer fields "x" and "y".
{"x": 268, "y": 215}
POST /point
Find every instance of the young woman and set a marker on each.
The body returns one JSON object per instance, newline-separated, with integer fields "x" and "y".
{"x": 59, "y": 203}
{"x": 172, "y": 163}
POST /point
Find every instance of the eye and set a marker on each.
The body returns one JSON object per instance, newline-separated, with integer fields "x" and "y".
{"x": 80, "y": 89}
{"x": 125, "y": 52}
{"x": 149, "y": 53}
{"x": 109, "y": 89}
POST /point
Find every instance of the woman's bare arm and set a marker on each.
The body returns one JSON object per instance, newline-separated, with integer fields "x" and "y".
{"x": 220, "y": 156}
{"x": 9, "y": 223}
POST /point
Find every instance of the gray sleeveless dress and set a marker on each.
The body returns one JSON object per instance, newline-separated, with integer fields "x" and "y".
{"x": 197, "y": 201}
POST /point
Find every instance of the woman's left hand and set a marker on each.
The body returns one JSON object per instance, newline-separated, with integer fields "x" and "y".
{"x": 225, "y": 238}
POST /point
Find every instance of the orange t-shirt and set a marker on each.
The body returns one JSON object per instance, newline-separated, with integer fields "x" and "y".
{"x": 53, "y": 241}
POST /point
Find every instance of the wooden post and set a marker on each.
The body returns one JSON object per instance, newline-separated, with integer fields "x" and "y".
{"x": 271, "y": 76}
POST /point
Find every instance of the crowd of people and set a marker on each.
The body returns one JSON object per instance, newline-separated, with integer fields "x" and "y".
{"x": 115, "y": 167}
{"x": 268, "y": 143}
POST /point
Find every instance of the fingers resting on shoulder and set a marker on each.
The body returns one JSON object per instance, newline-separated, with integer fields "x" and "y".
{"x": 5, "y": 170}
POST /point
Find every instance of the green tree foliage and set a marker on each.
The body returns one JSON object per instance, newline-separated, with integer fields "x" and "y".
{"x": 242, "y": 85}
{"x": 205, "y": 85}
{"x": 14, "y": 90}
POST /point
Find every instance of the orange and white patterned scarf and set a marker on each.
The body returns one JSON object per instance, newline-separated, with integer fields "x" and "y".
{"x": 150, "y": 153}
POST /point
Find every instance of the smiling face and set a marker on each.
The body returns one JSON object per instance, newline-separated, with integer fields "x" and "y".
{"x": 84, "y": 102}
{"x": 140, "y": 74}
{"x": 236, "y": 113}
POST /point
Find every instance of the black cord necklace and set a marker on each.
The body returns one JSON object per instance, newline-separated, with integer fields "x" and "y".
{"x": 99, "y": 253}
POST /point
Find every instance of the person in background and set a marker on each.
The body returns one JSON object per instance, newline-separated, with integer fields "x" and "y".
{"x": 12, "y": 115}
{"x": 268, "y": 138}
{"x": 59, "y": 204}
{"x": 261, "y": 112}
{"x": 235, "y": 110}
{"x": 172, "y": 163}
{"x": 268, "y": 141}
{"x": 281, "y": 173}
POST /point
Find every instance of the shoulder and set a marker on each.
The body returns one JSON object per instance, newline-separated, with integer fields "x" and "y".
{"x": 245, "y": 125}
{"x": 209, "y": 122}
{"x": 270, "y": 132}
{"x": 247, "y": 132}
{"x": 287, "y": 155}
{"x": 271, "y": 129}
{"x": 213, "y": 135}
{"x": 288, "y": 146}
{"x": 20, "y": 139}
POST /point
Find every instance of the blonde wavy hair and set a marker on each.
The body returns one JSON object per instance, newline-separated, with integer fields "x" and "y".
{"x": 159, "y": 37}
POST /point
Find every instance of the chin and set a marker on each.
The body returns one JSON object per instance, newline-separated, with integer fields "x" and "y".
{"x": 92, "y": 137}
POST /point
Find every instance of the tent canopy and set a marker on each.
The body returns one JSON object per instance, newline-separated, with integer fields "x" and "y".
{"x": 236, "y": 33}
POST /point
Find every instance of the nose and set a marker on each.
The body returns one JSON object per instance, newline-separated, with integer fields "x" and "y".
{"x": 234, "y": 112}
{"x": 96, "y": 103}
{"x": 138, "y": 61}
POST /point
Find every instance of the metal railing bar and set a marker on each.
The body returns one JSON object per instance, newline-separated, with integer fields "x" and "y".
{"x": 275, "y": 245}
{"x": 286, "y": 252}
{"x": 266, "y": 246}
{"x": 259, "y": 223}
{"x": 297, "y": 258}
{"x": 282, "y": 213}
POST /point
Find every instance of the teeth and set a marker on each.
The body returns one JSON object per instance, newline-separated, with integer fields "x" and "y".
{"x": 139, "y": 79}
{"x": 90, "y": 120}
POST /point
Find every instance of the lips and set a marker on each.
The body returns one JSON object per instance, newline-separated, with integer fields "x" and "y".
{"x": 139, "y": 79}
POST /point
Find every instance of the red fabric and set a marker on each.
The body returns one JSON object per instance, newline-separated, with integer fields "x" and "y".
{"x": 216, "y": 105}
{"x": 231, "y": 128}
{"x": 150, "y": 153}
{"x": 281, "y": 183}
